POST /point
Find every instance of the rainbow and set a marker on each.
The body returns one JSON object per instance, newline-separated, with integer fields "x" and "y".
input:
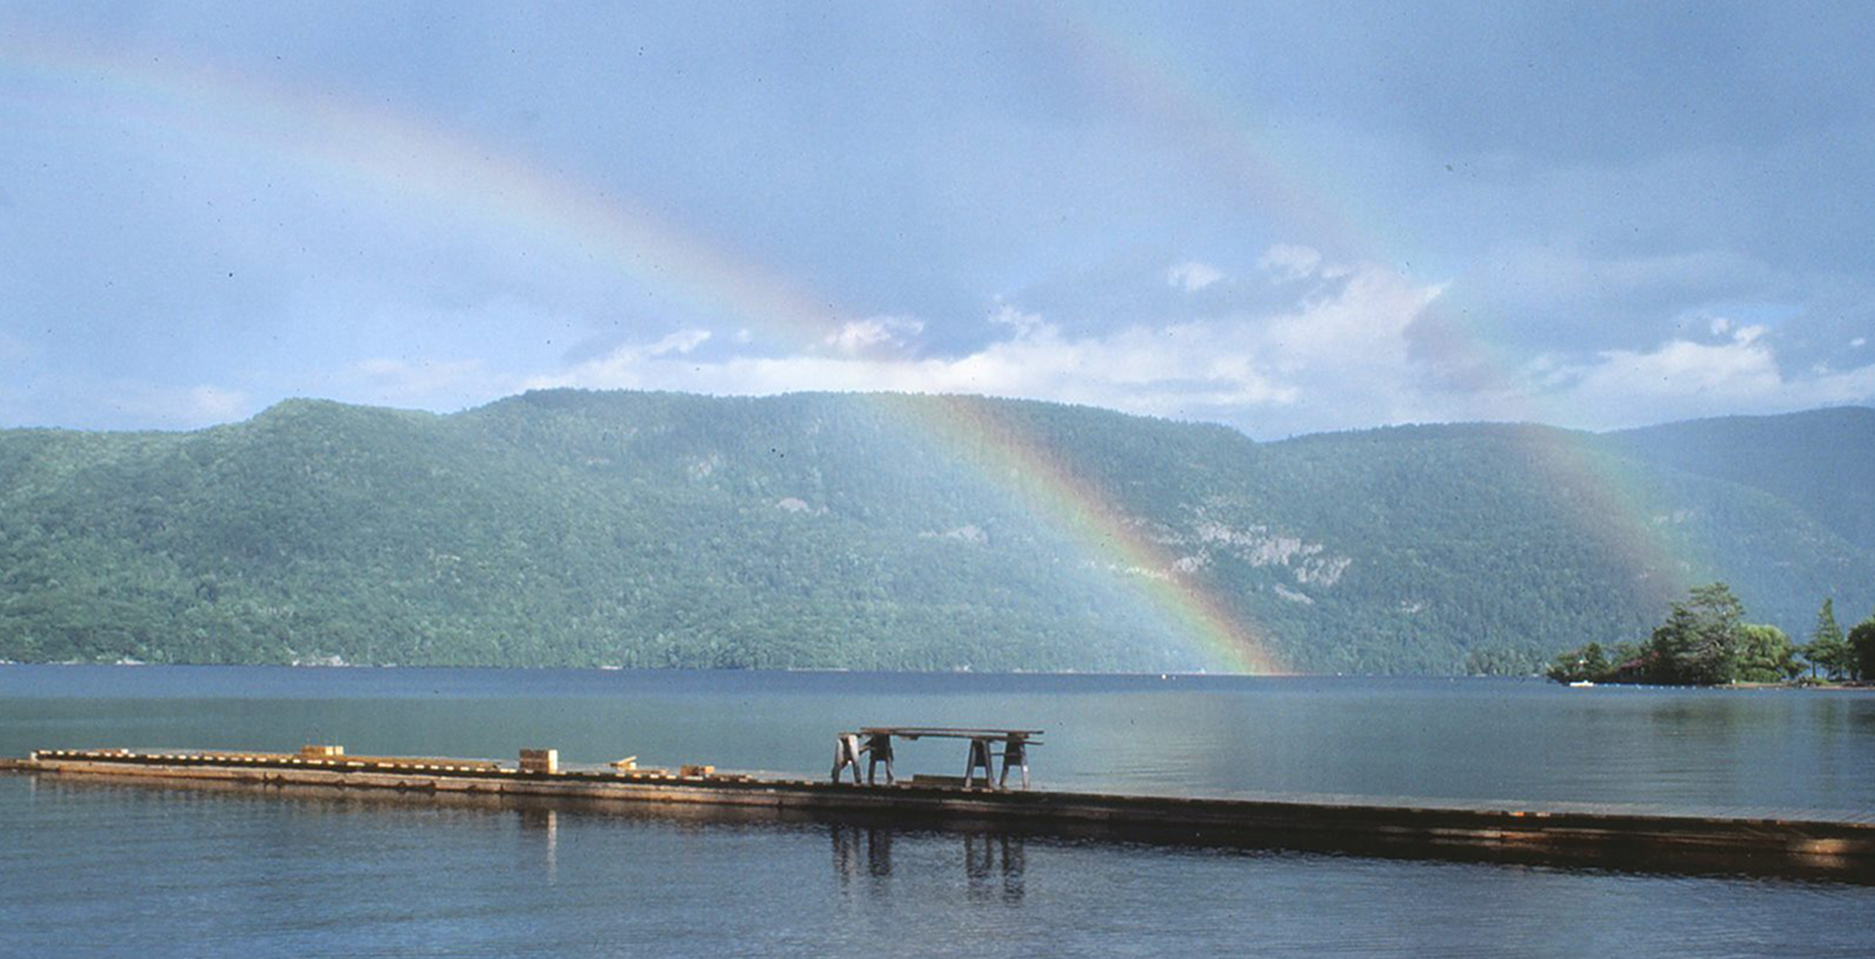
{"x": 1640, "y": 542}
{"x": 374, "y": 150}
{"x": 1223, "y": 129}
{"x": 1023, "y": 463}
{"x": 1599, "y": 485}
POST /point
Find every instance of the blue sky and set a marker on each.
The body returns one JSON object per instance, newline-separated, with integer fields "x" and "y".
{"x": 1287, "y": 219}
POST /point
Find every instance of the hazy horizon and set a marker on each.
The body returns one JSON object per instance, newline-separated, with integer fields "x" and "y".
{"x": 810, "y": 392}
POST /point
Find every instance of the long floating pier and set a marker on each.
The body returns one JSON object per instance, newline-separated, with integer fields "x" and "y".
{"x": 1842, "y": 850}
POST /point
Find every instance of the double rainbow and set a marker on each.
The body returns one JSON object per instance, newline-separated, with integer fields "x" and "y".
{"x": 376, "y": 151}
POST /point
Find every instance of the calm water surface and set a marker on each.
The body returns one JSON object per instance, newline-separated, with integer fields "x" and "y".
{"x": 113, "y": 870}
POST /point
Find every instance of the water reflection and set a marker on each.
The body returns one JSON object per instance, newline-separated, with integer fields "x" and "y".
{"x": 990, "y": 857}
{"x": 545, "y": 822}
{"x": 859, "y": 850}
{"x": 994, "y": 864}
{"x": 1860, "y": 711}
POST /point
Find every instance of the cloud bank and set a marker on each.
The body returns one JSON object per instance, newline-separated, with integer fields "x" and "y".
{"x": 1344, "y": 353}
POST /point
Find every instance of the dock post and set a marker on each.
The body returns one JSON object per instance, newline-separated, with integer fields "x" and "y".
{"x": 878, "y": 750}
{"x": 1015, "y": 753}
{"x": 846, "y": 753}
{"x": 979, "y": 759}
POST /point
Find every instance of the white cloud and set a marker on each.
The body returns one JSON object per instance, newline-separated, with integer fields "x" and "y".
{"x": 1289, "y": 262}
{"x": 1681, "y": 379}
{"x": 1339, "y": 357}
{"x": 1192, "y": 276}
{"x": 1859, "y": 342}
{"x": 679, "y": 343}
{"x": 874, "y": 335}
{"x": 632, "y": 366}
{"x": 1720, "y": 326}
{"x": 1243, "y": 369}
{"x": 1021, "y": 322}
{"x": 1682, "y": 367}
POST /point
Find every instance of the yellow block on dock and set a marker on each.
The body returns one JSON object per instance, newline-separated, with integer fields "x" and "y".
{"x": 321, "y": 752}
{"x": 540, "y": 760}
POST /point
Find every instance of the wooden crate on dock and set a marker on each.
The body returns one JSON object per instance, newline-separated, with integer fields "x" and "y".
{"x": 540, "y": 760}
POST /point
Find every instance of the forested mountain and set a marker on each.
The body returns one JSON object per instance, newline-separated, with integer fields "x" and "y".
{"x": 896, "y": 532}
{"x": 1821, "y": 461}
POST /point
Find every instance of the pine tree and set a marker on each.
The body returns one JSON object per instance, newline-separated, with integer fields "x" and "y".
{"x": 1700, "y": 642}
{"x": 1828, "y": 648}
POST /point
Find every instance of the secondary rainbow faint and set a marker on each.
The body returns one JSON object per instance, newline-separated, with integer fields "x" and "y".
{"x": 376, "y": 152}
{"x": 1608, "y": 504}
{"x": 1225, "y": 132}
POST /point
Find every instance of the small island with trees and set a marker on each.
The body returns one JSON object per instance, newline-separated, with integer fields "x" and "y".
{"x": 1705, "y": 641}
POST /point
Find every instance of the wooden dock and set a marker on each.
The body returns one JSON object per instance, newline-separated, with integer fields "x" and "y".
{"x": 1837, "y": 849}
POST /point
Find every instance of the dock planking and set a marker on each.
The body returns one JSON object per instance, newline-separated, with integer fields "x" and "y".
{"x": 1754, "y": 842}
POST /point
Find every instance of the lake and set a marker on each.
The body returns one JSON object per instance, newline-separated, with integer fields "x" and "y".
{"x": 120, "y": 870}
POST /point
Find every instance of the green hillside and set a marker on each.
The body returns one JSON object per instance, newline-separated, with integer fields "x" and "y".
{"x": 1820, "y": 461}
{"x": 870, "y": 532}
{"x": 1502, "y": 539}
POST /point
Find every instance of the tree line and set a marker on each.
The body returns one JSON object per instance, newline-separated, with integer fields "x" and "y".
{"x": 1705, "y": 641}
